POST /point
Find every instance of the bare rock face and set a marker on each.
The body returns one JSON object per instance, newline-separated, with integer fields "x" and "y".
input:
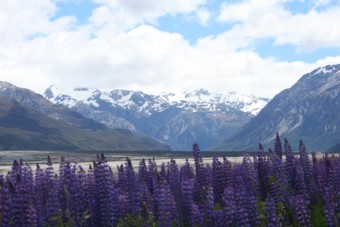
{"x": 28, "y": 121}
{"x": 176, "y": 119}
{"x": 309, "y": 110}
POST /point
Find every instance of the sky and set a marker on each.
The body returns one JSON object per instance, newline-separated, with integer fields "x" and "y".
{"x": 258, "y": 47}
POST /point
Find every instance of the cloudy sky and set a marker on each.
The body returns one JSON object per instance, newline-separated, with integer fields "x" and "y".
{"x": 252, "y": 46}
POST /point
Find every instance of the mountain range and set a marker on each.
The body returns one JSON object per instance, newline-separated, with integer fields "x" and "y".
{"x": 93, "y": 119}
{"x": 309, "y": 110}
{"x": 29, "y": 121}
{"x": 176, "y": 119}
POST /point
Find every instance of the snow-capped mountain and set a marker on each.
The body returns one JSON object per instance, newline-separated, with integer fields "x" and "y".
{"x": 309, "y": 110}
{"x": 177, "y": 119}
{"x": 28, "y": 121}
{"x": 203, "y": 99}
{"x": 200, "y": 99}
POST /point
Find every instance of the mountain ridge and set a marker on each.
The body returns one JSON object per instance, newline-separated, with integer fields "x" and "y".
{"x": 176, "y": 119}
{"x": 308, "y": 110}
{"x": 29, "y": 121}
{"x": 128, "y": 98}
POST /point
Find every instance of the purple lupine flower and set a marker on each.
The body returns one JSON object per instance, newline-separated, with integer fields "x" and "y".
{"x": 276, "y": 167}
{"x": 271, "y": 213}
{"x": 152, "y": 169}
{"x": 197, "y": 155}
{"x": 162, "y": 173}
{"x": 22, "y": 209}
{"x": 249, "y": 174}
{"x": 71, "y": 185}
{"x": 2, "y": 195}
{"x": 201, "y": 175}
{"x": 210, "y": 208}
{"x": 173, "y": 196}
{"x": 78, "y": 205}
{"x": 173, "y": 176}
{"x": 336, "y": 172}
{"x": 198, "y": 193}
{"x": 65, "y": 183}
{"x": 230, "y": 208}
{"x": 301, "y": 187}
{"x": 90, "y": 196}
{"x": 145, "y": 200}
{"x": 106, "y": 203}
{"x": 51, "y": 193}
{"x": 5, "y": 201}
{"x": 209, "y": 175}
{"x": 195, "y": 215}
{"x": 136, "y": 208}
{"x": 219, "y": 179}
{"x": 227, "y": 170}
{"x": 241, "y": 201}
{"x": 290, "y": 166}
{"x": 278, "y": 146}
{"x": 156, "y": 192}
{"x": 198, "y": 159}
{"x": 218, "y": 183}
{"x": 122, "y": 181}
{"x": 40, "y": 195}
{"x": 187, "y": 198}
{"x": 308, "y": 173}
{"x": 319, "y": 174}
{"x": 124, "y": 203}
{"x": 131, "y": 185}
{"x": 329, "y": 208}
{"x": 142, "y": 171}
{"x": 279, "y": 186}
{"x": 166, "y": 206}
{"x": 219, "y": 218}
{"x": 186, "y": 171}
{"x": 301, "y": 211}
{"x": 331, "y": 173}
{"x": 253, "y": 211}
{"x": 173, "y": 179}
{"x": 262, "y": 166}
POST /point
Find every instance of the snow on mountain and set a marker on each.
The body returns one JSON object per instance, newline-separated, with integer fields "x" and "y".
{"x": 178, "y": 119}
{"x": 195, "y": 100}
{"x": 70, "y": 97}
{"x": 212, "y": 101}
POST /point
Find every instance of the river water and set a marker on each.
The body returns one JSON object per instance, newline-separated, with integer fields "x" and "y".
{"x": 114, "y": 158}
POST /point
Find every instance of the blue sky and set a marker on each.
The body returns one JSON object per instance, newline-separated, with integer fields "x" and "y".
{"x": 191, "y": 29}
{"x": 251, "y": 46}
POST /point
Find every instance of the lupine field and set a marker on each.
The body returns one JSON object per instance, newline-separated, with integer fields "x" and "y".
{"x": 270, "y": 188}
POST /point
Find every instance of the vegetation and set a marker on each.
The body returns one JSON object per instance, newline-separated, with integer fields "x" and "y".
{"x": 274, "y": 188}
{"x": 26, "y": 129}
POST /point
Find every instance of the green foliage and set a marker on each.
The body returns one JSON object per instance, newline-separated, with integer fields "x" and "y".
{"x": 281, "y": 211}
{"x": 262, "y": 210}
{"x": 217, "y": 206}
{"x": 64, "y": 219}
{"x": 272, "y": 179}
{"x": 317, "y": 217}
{"x": 137, "y": 221}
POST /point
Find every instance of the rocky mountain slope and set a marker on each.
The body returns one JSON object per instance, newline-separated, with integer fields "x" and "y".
{"x": 29, "y": 121}
{"x": 176, "y": 119}
{"x": 309, "y": 110}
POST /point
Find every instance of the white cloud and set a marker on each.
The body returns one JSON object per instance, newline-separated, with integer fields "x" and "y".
{"x": 115, "y": 49}
{"x": 26, "y": 19}
{"x": 203, "y": 16}
{"x": 321, "y": 3}
{"x": 138, "y": 12}
{"x": 270, "y": 19}
{"x": 149, "y": 60}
